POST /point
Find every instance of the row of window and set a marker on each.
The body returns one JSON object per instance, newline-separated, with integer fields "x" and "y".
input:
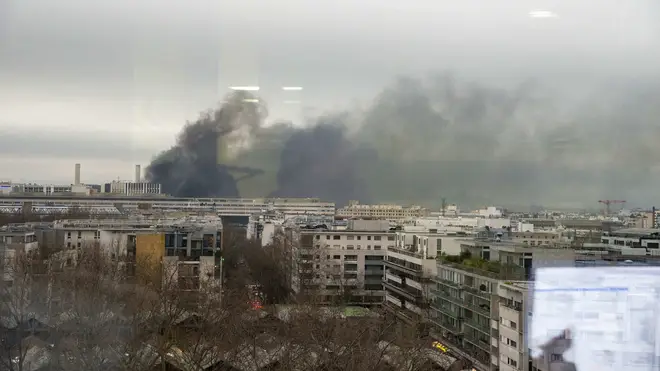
{"x": 337, "y": 237}
{"x": 97, "y": 234}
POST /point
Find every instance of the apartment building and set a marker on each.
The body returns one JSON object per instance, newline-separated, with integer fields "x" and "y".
{"x": 344, "y": 265}
{"x": 409, "y": 265}
{"x": 469, "y": 292}
{"x": 383, "y": 211}
{"x": 630, "y": 241}
{"x": 15, "y": 241}
{"x": 187, "y": 257}
{"x": 112, "y": 234}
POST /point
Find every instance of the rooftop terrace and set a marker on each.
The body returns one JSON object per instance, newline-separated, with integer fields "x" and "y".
{"x": 487, "y": 268}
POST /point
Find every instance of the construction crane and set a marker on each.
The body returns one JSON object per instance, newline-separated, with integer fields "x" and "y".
{"x": 607, "y": 204}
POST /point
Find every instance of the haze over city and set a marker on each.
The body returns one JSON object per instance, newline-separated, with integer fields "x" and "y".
{"x": 419, "y": 100}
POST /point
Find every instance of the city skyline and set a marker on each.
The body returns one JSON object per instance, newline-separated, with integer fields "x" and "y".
{"x": 110, "y": 88}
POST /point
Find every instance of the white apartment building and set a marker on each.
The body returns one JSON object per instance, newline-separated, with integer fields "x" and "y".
{"x": 409, "y": 266}
{"x": 344, "y": 264}
{"x": 382, "y": 211}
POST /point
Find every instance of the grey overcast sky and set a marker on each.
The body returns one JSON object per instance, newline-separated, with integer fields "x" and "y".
{"x": 110, "y": 83}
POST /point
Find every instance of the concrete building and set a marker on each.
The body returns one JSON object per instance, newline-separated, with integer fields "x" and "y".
{"x": 221, "y": 206}
{"x": 628, "y": 242}
{"x": 343, "y": 265}
{"x": 15, "y": 241}
{"x": 467, "y": 295}
{"x": 409, "y": 266}
{"x": 186, "y": 257}
{"x": 385, "y": 211}
{"x": 132, "y": 188}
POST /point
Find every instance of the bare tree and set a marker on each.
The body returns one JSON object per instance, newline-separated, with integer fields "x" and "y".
{"x": 100, "y": 319}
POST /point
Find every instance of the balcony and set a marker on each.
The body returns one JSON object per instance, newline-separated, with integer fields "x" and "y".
{"x": 401, "y": 289}
{"x": 477, "y": 292}
{"x": 445, "y": 310}
{"x": 405, "y": 252}
{"x": 512, "y": 305}
{"x": 403, "y": 313}
{"x": 401, "y": 266}
{"x": 472, "y": 323}
{"x": 445, "y": 325}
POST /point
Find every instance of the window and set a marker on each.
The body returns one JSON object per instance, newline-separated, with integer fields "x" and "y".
{"x": 336, "y": 237}
{"x": 79, "y": 234}
{"x": 169, "y": 240}
{"x": 350, "y": 238}
{"x": 327, "y": 237}
{"x": 390, "y": 238}
{"x": 369, "y": 238}
{"x": 376, "y": 238}
{"x": 377, "y": 247}
{"x": 513, "y": 325}
{"x": 350, "y": 257}
{"x": 350, "y": 267}
{"x": 350, "y": 247}
{"x": 318, "y": 237}
{"x": 359, "y": 238}
{"x": 337, "y": 257}
{"x": 68, "y": 234}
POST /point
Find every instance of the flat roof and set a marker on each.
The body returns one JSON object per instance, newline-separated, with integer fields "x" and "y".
{"x": 641, "y": 232}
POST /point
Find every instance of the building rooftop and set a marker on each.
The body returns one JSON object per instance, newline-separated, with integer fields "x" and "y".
{"x": 487, "y": 268}
{"x": 635, "y": 232}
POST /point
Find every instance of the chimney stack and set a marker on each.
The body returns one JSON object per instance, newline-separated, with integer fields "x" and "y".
{"x": 138, "y": 174}
{"x": 77, "y": 176}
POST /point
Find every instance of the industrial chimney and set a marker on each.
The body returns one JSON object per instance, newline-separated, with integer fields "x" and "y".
{"x": 77, "y": 175}
{"x": 138, "y": 174}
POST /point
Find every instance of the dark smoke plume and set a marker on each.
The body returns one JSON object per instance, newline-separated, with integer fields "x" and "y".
{"x": 423, "y": 140}
{"x": 322, "y": 162}
{"x": 194, "y": 166}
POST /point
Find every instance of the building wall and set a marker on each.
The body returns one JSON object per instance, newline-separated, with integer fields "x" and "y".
{"x": 149, "y": 253}
{"x": 384, "y": 211}
{"x": 342, "y": 259}
{"x": 513, "y": 353}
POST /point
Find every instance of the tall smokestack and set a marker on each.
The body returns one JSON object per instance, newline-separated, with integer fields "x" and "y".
{"x": 77, "y": 176}
{"x": 138, "y": 174}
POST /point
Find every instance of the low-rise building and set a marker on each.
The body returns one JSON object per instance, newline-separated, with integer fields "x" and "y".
{"x": 382, "y": 211}
{"x": 132, "y": 188}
